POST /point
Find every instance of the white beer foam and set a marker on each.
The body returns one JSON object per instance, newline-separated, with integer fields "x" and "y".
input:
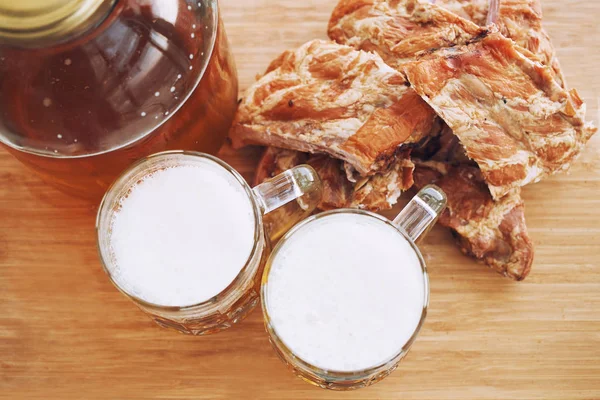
{"x": 182, "y": 234}
{"x": 345, "y": 292}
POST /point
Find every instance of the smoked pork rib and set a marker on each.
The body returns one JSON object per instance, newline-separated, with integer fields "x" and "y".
{"x": 510, "y": 115}
{"x": 329, "y": 98}
{"x": 473, "y": 10}
{"x": 521, "y": 21}
{"x": 491, "y": 231}
{"x": 397, "y": 30}
{"x": 374, "y": 193}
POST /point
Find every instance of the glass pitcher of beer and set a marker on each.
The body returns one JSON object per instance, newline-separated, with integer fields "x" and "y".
{"x": 345, "y": 293}
{"x": 87, "y": 87}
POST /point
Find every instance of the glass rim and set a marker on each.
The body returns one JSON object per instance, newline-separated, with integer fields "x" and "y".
{"x": 209, "y": 54}
{"x": 121, "y": 184}
{"x": 341, "y": 375}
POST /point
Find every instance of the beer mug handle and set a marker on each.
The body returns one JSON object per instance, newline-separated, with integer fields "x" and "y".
{"x": 421, "y": 213}
{"x": 288, "y": 198}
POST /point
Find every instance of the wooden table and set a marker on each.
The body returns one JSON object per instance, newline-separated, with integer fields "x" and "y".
{"x": 65, "y": 332}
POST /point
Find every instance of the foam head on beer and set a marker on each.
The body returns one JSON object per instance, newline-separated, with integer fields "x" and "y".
{"x": 182, "y": 234}
{"x": 345, "y": 292}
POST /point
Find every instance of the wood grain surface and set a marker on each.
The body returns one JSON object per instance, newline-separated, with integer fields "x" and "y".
{"x": 65, "y": 332}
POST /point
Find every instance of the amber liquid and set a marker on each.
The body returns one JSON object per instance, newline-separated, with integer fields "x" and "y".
{"x": 79, "y": 113}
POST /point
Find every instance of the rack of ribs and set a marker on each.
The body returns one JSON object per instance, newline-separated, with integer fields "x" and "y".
{"x": 509, "y": 113}
{"x": 398, "y": 30}
{"x": 491, "y": 231}
{"x": 521, "y": 21}
{"x": 329, "y": 98}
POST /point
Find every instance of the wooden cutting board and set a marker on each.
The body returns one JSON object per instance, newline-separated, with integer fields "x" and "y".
{"x": 65, "y": 332}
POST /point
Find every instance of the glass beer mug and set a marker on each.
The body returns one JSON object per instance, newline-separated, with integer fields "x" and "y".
{"x": 345, "y": 293}
{"x": 182, "y": 235}
{"x": 87, "y": 87}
